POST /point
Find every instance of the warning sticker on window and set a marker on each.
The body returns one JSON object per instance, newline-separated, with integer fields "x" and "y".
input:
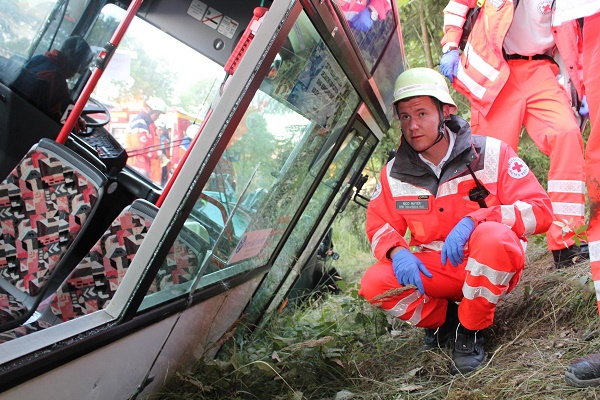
{"x": 228, "y": 27}
{"x": 212, "y": 18}
{"x": 197, "y": 9}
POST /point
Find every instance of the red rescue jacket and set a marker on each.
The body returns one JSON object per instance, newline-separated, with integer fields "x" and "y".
{"x": 410, "y": 196}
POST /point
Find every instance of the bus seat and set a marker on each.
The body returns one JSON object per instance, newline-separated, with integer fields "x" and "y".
{"x": 46, "y": 202}
{"x": 93, "y": 283}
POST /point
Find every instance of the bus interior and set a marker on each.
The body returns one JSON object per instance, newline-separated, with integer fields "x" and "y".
{"x": 111, "y": 266}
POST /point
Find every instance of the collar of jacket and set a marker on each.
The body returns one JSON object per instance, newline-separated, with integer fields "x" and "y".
{"x": 408, "y": 166}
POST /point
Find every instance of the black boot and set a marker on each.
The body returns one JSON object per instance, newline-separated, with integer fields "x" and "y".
{"x": 468, "y": 353}
{"x": 584, "y": 371}
{"x": 571, "y": 255}
{"x": 440, "y": 337}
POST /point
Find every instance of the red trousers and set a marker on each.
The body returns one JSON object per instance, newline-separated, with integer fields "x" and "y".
{"x": 533, "y": 97}
{"x": 591, "y": 78}
{"x": 492, "y": 267}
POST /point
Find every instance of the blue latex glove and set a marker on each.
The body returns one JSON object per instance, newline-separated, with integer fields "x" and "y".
{"x": 454, "y": 245}
{"x": 449, "y": 64}
{"x": 407, "y": 267}
{"x": 584, "y": 111}
{"x": 362, "y": 20}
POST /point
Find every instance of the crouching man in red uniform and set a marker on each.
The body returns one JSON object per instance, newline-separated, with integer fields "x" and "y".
{"x": 469, "y": 202}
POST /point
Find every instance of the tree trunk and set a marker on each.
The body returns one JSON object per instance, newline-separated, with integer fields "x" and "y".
{"x": 424, "y": 33}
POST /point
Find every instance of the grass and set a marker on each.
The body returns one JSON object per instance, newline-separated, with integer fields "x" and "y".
{"x": 339, "y": 347}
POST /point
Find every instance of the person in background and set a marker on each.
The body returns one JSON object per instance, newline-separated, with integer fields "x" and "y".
{"x": 141, "y": 140}
{"x": 469, "y": 202}
{"x": 585, "y": 371}
{"x": 55, "y": 67}
{"x": 164, "y": 136}
{"x": 509, "y": 73}
{"x": 362, "y": 14}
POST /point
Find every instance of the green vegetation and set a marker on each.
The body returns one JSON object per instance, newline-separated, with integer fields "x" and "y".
{"x": 339, "y": 347}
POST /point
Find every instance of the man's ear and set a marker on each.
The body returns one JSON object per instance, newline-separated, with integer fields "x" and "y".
{"x": 446, "y": 110}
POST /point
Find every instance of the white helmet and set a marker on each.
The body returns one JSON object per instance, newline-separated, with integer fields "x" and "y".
{"x": 157, "y": 104}
{"x": 192, "y": 131}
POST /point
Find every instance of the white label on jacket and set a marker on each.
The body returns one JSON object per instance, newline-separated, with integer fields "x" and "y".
{"x": 412, "y": 205}
{"x": 517, "y": 168}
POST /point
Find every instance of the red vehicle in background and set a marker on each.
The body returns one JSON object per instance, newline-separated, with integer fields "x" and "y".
{"x": 165, "y": 152}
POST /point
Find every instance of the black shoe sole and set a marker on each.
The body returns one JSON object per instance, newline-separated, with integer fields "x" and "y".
{"x": 572, "y": 380}
{"x": 456, "y": 371}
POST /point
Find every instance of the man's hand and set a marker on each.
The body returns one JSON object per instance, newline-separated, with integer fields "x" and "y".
{"x": 449, "y": 64}
{"x": 454, "y": 245}
{"x": 80, "y": 126}
{"x": 362, "y": 20}
{"x": 407, "y": 267}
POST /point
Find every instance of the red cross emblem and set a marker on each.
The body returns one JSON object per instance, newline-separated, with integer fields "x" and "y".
{"x": 517, "y": 168}
{"x": 545, "y": 7}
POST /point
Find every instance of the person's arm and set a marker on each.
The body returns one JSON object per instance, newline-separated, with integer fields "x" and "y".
{"x": 384, "y": 226}
{"x": 454, "y": 19}
{"x": 524, "y": 204}
{"x": 380, "y": 7}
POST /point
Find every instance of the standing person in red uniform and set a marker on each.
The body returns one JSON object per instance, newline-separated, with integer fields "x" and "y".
{"x": 585, "y": 371}
{"x": 509, "y": 72}
{"x": 361, "y": 14}
{"x": 141, "y": 139}
{"x": 467, "y": 235}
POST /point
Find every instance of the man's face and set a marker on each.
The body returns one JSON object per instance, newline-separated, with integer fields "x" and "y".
{"x": 419, "y": 120}
{"x": 154, "y": 115}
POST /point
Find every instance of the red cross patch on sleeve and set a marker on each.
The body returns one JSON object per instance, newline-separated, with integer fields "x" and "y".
{"x": 517, "y": 168}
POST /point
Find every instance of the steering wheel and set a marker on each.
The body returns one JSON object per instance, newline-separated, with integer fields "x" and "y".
{"x": 93, "y": 106}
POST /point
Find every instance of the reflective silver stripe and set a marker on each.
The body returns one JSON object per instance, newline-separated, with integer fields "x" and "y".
{"x": 475, "y": 88}
{"x": 457, "y": 8}
{"x": 575, "y": 209}
{"x": 495, "y": 277}
{"x": 384, "y": 230}
{"x": 416, "y": 317}
{"x": 509, "y": 216}
{"x": 597, "y": 287}
{"x": 473, "y": 292}
{"x": 594, "y": 251}
{"x": 475, "y": 61}
{"x": 528, "y": 217}
{"x": 454, "y": 20}
{"x": 400, "y": 308}
{"x": 399, "y": 188}
{"x": 489, "y": 173}
{"x": 566, "y": 186}
{"x": 449, "y": 188}
{"x": 420, "y": 86}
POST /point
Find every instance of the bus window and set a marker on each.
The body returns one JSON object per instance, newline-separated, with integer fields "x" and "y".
{"x": 42, "y": 55}
{"x": 150, "y": 64}
{"x": 262, "y": 179}
{"x": 371, "y": 23}
{"x": 330, "y": 186}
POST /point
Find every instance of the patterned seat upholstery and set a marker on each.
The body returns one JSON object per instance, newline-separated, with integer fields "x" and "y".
{"x": 93, "y": 283}
{"x": 45, "y": 203}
